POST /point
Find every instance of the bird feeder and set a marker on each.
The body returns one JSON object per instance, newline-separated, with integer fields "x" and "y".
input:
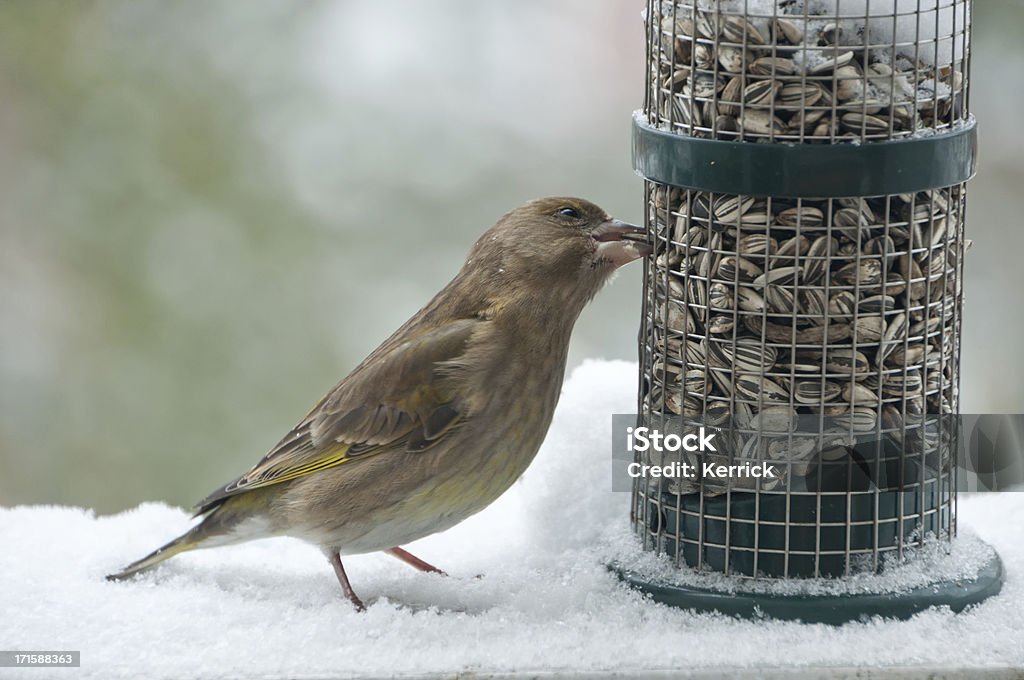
{"x": 806, "y": 166}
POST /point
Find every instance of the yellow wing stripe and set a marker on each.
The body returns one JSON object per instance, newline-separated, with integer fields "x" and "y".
{"x": 301, "y": 471}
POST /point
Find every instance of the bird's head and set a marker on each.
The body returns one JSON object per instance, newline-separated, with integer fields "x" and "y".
{"x": 557, "y": 244}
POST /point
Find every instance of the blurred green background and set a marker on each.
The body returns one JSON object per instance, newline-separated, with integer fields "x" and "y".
{"x": 210, "y": 212}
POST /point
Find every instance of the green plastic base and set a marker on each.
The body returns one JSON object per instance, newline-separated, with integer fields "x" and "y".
{"x": 799, "y": 535}
{"x": 829, "y": 609}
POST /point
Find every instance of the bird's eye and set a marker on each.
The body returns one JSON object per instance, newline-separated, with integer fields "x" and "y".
{"x": 569, "y": 212}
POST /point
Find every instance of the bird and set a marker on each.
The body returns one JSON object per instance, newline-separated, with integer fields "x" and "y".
{"x": 441, "y": 418}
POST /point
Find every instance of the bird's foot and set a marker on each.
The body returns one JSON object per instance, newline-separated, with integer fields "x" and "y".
{"x": 357, "y": 604}
{"x": 414, "y": 561}
{"x": 335, "y": 559}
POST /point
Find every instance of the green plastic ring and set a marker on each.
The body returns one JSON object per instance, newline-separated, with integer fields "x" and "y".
{"x": 785, "y": 170}
{"x": 829, "y": 609}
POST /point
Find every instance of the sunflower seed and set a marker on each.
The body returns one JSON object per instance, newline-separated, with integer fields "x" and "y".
{"x": 862, "y": 274}
{"x": 858, "y": 122}
{"x": 694, "y": 353}
{"x": 756, "y": 245}
{"x": 689, "y": 237}
{"x": 779, "y": 300}
{"x": 728, "y": 101}
{"x": 720, "y": 296}
{"x": 679, "y": 319}
{"x": 798, "y": 367}
{"x": 849, "y": 83}
{"x": 760, "y": 93}
{"x": 721, "y": 324}
{"x": 869, "y": 329}
{"x": 722, "y": 378}
{"x": 876, "y": 303}
{"x": 882, "y": 245}
{"x": 697, "y": 297}
{"x": 855, "y": 393}
{"x": 848, "y": 362}
{"x": 894, "y": 284}
{"x": 732, "y": 59}
{"x": 803, "y": 120}
{"x": 814, "y": 335}
{"x": 851, "y": 223}
{"x": 748, "y": 355}
{"x": 787, "y": 31}
{"x": 858, "y": 419}
{"x": 831, "y": 64}
{"x": 789, "y": 250}
{"x": 816, "y": 261}
{"x": 708, "y": 25}
{"x": 816, "y": 391}
{"x": 799, "y": 96}
{"x": 760, "y": 389}
{"x": 778, "y": 276}
{"x": 678, "y": 77}
{"x": 894, "y": 335}
{"x": 898, "y": 386}
{"x": 773, "y": 66}
{"x": 911, "y": 273}
{"x": 717, "y": 412}
{"x": 830, "y": 34}
{"x": 738, "y": 30}
{"x": 760, "y": 123}
{"x": 735, "y": 268}
{"x": 842, "y": 305}
{"x": 806, "y": 216}
{"x": 703, "y": 85}
{"x": 728, "y": 210}
{"x": 667, "y": 372}
{"x": 749, "y": 300}
{"x": 757, "y": 216}
{"x": 775, "y": 420}
{"x": 795, "y": 448}
{"x": 811, "y": 306}
{"x": 911, "y": 355}
{"x": 703, "y": 56}
{"x": 695, "y": 382}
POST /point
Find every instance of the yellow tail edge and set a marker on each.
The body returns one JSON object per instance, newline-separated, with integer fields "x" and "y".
{"x": 182, "y": 543}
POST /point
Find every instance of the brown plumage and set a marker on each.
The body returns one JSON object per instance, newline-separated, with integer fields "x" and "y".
{"x": 445, "y": 415}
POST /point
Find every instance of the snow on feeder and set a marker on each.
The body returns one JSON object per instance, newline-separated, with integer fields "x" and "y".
{"x": 806, "y": 167}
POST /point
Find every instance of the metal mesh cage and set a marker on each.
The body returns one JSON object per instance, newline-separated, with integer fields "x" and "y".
{"x": 816, "y": 71}
{"x": 819, "y": 334}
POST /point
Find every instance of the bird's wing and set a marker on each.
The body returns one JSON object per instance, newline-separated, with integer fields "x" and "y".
{"x": 397, "y": 398}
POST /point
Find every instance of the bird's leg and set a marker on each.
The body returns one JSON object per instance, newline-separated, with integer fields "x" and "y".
{"x": 335, "y": 559}
{"x": 414, "y": 561}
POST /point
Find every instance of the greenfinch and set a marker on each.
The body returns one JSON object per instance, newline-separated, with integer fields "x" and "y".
{"x": 441, "y": 418}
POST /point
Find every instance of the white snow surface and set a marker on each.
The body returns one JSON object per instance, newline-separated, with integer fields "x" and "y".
{"x": 545, "y": 601}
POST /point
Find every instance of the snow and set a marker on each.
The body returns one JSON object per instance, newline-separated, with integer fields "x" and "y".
{"x": 545, "y": 600}
{"x": 932, "y": 25}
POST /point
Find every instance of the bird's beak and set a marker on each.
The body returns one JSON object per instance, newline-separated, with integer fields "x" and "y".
{"x": 620, "y": 243}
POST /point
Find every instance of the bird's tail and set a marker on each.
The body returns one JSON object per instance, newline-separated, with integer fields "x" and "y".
{"x": 219, "y": 527}
{"x": 234, "y": 520}
{"x": 187, "y": 541}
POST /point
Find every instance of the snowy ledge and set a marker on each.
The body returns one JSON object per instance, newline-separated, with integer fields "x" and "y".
{"x": 546, "y": 603}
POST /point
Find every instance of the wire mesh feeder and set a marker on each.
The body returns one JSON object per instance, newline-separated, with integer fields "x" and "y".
{"x": 806, "y": 167}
